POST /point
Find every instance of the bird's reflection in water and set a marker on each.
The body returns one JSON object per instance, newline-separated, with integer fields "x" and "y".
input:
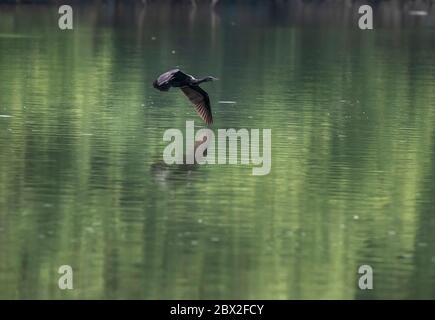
{"x": 169, "y": 174}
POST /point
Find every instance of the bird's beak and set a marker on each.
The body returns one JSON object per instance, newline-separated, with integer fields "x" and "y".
{"x": 214, "y": 78}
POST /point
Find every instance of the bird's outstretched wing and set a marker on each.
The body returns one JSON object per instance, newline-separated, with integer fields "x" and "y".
{"x": 167, "y": 76}
{"x": 200, "y": 100}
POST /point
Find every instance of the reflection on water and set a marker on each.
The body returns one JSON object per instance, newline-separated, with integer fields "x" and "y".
{"x": 165, "y": 173}
{"x": 81, "y": 180}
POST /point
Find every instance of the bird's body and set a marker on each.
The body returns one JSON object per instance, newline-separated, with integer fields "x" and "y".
{"x": 189, "y": 85}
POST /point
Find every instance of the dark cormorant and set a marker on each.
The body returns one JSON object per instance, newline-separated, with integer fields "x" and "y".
{"x": 190, "y": 87}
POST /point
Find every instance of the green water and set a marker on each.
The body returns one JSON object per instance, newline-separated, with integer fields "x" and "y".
{"x": 352, "y": 182}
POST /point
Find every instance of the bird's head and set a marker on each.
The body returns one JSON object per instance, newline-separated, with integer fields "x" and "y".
{"x": 210, "y": 78}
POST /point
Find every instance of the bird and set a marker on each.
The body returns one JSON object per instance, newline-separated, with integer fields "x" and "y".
{"x": 189, "y": 85}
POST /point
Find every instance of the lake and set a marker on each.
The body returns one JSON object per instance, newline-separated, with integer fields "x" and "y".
{"x": 82, "y": 183}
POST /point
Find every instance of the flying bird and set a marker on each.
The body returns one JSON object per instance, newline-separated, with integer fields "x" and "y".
{"x": 189, "y": 85}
